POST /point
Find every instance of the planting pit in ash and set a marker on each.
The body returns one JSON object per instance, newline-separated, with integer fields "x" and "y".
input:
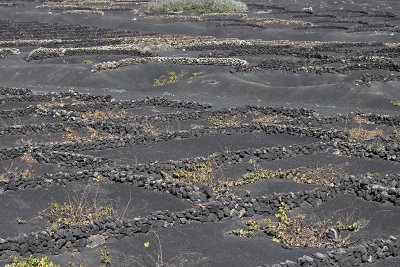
{"x": 361, "y": 128}
{"x": 11, "y": 105}
{"x": 270, "y": 186}
{"x": 339, "y": 222}
{"x": 350, "y": 165}
{"x": 223, "y": 118}
{"x": 263, "y": 177}
{"x": 205, "y": 244}
{"x": 20, "y": 140}
{"x": 127, "y": 201}
{"x": 25, "y": 167}
{"x": 118, "y": 112}
{"x": 375, "y": 219}
{"x": 55, "y": 133}
{"x": 26, "y": 120}
{"x": 194, "y": 147}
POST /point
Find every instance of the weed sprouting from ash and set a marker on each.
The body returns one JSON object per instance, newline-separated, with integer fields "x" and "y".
{"x": 80, "y": 210}
{"x": 173, "y": 78}
{"x": 298, "y": 230}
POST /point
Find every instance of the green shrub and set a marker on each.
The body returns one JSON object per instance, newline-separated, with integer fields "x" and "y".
{"x": 198, "y": 6}
{"x": 395, "y": 102}
{"x": 173, "y": 78}
{"x": 297, "y": 231}
{"x": 32, "y": 261}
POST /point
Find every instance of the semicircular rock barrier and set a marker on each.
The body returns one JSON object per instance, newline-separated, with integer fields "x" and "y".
{"x": 170, "y": 60}
{"x": 5, "y": 52}
{"x": 357, "y": 255}
{"x": 43, "y": 53}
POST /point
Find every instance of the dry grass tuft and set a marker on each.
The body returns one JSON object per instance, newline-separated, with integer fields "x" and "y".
{"x": 364, "y": 134}
{"x": 80, "y": 210}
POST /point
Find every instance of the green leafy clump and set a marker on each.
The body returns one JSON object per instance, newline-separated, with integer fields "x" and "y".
{"x": 395, "y": 103}
{"x": 306, "y": 175}
{"x": 173, "y": 78}
{"x": 355, "y": 226}
{"x": 105, "y": 256}
{"x": 205, "y": 173}
{"x": 197, "y": 74}
{"x": 296, "y": 230}
{"x": 71, "y": 135}
{"x": 241, "y": 232}
{"x": 103, "y": 115}
{"x": 198, "y": 6}
{"x": 221, "y": 121}
{"x": 16, "y": 172}
{"x": 87, "y": 61}
{"x": 31, "y": 261}
{"x": 76, "y": 213}
{"x": 200, "y": 172}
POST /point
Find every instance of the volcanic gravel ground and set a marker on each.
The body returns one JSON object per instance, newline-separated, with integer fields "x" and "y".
{"x": 181, "y": 130}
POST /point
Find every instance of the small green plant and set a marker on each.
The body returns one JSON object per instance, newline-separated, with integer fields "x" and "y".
{"x": 221, "y": 121}
{"x": 31, "y": 261}
{"x": 71, "y": 135}
{"x": 27, "y": 157}
{"x": 13, "y": 172}
{"x": 104, "y": 256}
{"x": 243, "y": 233}
{"x": 155, "y": 254}
{"x": 395, "y": 103}
{"x": 150, "y": 129}
{"x": 173, "y": 78}
{"x": 354, "y": 141}
{"x": 197, "y": 74}
{"x": 167, "y": 94}
{"x": 97, "y": 134}
{"x": 87, "y": 62}
{"x": 349, "y": 2}
{"x": 350, "y": 227}
{"x": 165, "y": 175}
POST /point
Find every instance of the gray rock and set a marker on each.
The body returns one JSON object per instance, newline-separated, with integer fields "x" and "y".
{"x": 95, "y": 240}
